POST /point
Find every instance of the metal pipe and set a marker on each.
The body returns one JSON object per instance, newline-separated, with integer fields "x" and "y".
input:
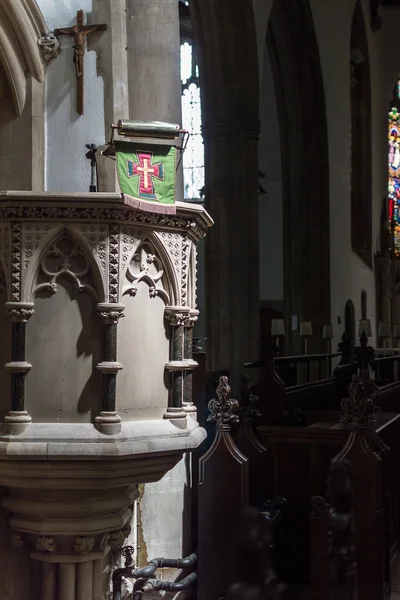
{"x": 148, "y": 571}
{"x": 169, "y": 586}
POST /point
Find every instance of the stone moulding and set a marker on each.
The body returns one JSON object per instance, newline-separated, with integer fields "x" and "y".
{"x": 107, "y": 234}
{"x": 103, "y": 207}
{"x": 21, "y": 25}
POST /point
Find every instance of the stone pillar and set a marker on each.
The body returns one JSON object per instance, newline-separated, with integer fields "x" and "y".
{"x": 20, "y": 312}
{"x": 154, "y": 48}
{"x": 71, "y": 550}
{"x": 188, "y": 404}
{"x": 109, "y": 421}
{"x": 177, "y": 316}
{"x": 229, "y": 87}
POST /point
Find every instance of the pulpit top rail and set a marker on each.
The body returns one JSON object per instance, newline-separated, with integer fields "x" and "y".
{"x": 98, "y": 206}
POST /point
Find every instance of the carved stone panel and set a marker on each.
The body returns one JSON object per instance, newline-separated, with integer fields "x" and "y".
{"x": 5, "y": 253}
{"x": 34, "y": 238}
{"x": 130, "y": 238}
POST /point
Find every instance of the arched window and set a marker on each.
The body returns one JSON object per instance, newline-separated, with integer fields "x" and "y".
{"x": 394, "y": 171}
{"x": 361, "y": 193}
{"x": 193, "y": 157}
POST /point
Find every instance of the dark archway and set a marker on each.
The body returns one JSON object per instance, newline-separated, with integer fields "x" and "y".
{"x": 300, "y": 95}
{"x": 361, "y": 157}
{"x": 350, "y": 322}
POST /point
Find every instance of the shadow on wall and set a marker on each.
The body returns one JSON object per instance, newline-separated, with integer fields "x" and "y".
{"x": 64, "y": 345}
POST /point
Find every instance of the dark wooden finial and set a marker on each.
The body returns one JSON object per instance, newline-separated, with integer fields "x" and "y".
{"x": 223, "y": 408}
{"x": 248, "y": 400}
{"x": 359, "y": 409}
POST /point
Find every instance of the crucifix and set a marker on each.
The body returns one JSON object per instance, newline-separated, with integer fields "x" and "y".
{"x": 79, "y": 33}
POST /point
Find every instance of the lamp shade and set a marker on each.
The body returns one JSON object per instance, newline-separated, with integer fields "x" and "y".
{"x": 277, "y": 327}
{"x": 365, "y": 325}
{"x": 327, "y": 332}
{"x": 306, "y": 328}
{"x": 384, "y": 330}
{"x": 396, "y": 331}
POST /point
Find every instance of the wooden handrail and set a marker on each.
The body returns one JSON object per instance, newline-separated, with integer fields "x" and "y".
{"x": 305, "y": 357}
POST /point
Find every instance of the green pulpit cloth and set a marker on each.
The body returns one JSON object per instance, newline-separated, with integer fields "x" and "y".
{"x": 147, "y": 176}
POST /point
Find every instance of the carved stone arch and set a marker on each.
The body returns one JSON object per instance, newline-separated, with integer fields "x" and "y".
{"x": 75, "y": 261}
{"x": 294, "y": 55}
{"x": 171, "y": 266}
{"x": 154, "y": 268}
{"x": 21, "y": 25}
{"x": 361, "y": 138}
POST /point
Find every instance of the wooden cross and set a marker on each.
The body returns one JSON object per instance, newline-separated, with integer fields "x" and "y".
{"x": 79, "y": 33}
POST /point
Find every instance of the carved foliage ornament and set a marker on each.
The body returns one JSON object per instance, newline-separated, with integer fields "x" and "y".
{"x": 179, "y": 319}
{"x": 84, "y": 544}
{"x": 16, "y": 262}
{"x": 223, "y": 408}
{"x": 359, "y": 409}
{"x": 20, "y": 315}
{"x": 113, "y": 269}
{"x": 49, "y": 47}
{"x": 115, "y": 539}
{"x": 46, "y": 544}
{"x": 111, "y": 317}
{"x": 249, "y": 401}
{"x": 97, "y": 213}
{"x": 16, "y": 539}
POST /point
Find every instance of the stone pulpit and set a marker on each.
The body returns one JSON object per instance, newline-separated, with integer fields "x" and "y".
{"x": 96, "y": 336}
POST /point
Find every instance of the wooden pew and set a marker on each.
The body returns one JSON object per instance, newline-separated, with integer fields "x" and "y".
{"x": 299, "y": 459}
{"x": 305, "y": 403}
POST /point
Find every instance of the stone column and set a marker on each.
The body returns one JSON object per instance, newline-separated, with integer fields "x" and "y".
{"x": 20, "y": 312}
{"x": 188, "y": 404}
{"x": 154, "y": 48}
{"x": 153, "y": 43}
{"x": 230, "y": 94}
{"x": 71, "y": 550}
{"x": 109, "y": 421}
{"x": 177, "y": 317}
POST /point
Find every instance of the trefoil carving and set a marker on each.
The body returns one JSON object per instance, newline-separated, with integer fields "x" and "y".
{"x": 147, "y": 267}
{"x": 65, "y": 258}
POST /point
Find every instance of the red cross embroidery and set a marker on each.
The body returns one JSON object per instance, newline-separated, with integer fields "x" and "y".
{"x": 145, "y": 170}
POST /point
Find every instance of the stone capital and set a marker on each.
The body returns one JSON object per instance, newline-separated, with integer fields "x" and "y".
{"x": 177, "y": 315}
{"x": 110, "y": 313}
{"x": 20, "y": 312}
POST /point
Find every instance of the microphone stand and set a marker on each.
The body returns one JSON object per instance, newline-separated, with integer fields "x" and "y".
{"x": 91, "y": 155}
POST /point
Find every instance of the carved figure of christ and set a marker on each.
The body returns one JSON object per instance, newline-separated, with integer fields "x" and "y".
{"x": 79, "y": 32}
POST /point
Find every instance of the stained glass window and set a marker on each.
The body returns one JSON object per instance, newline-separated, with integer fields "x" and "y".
{"x": 193, "y": 157}
{"x": 394, "y": 175}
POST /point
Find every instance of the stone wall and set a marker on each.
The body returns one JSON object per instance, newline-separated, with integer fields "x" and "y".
{"x": 332, "y": 22}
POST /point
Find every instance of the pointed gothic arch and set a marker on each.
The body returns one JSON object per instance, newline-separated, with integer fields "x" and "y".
{"x": 294, "y": 55}
{"x": 361, "y": 136}
{"x": 85, "y": 275}
{"x": 21, "y": 25}
{"x": 22, "y": 105}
